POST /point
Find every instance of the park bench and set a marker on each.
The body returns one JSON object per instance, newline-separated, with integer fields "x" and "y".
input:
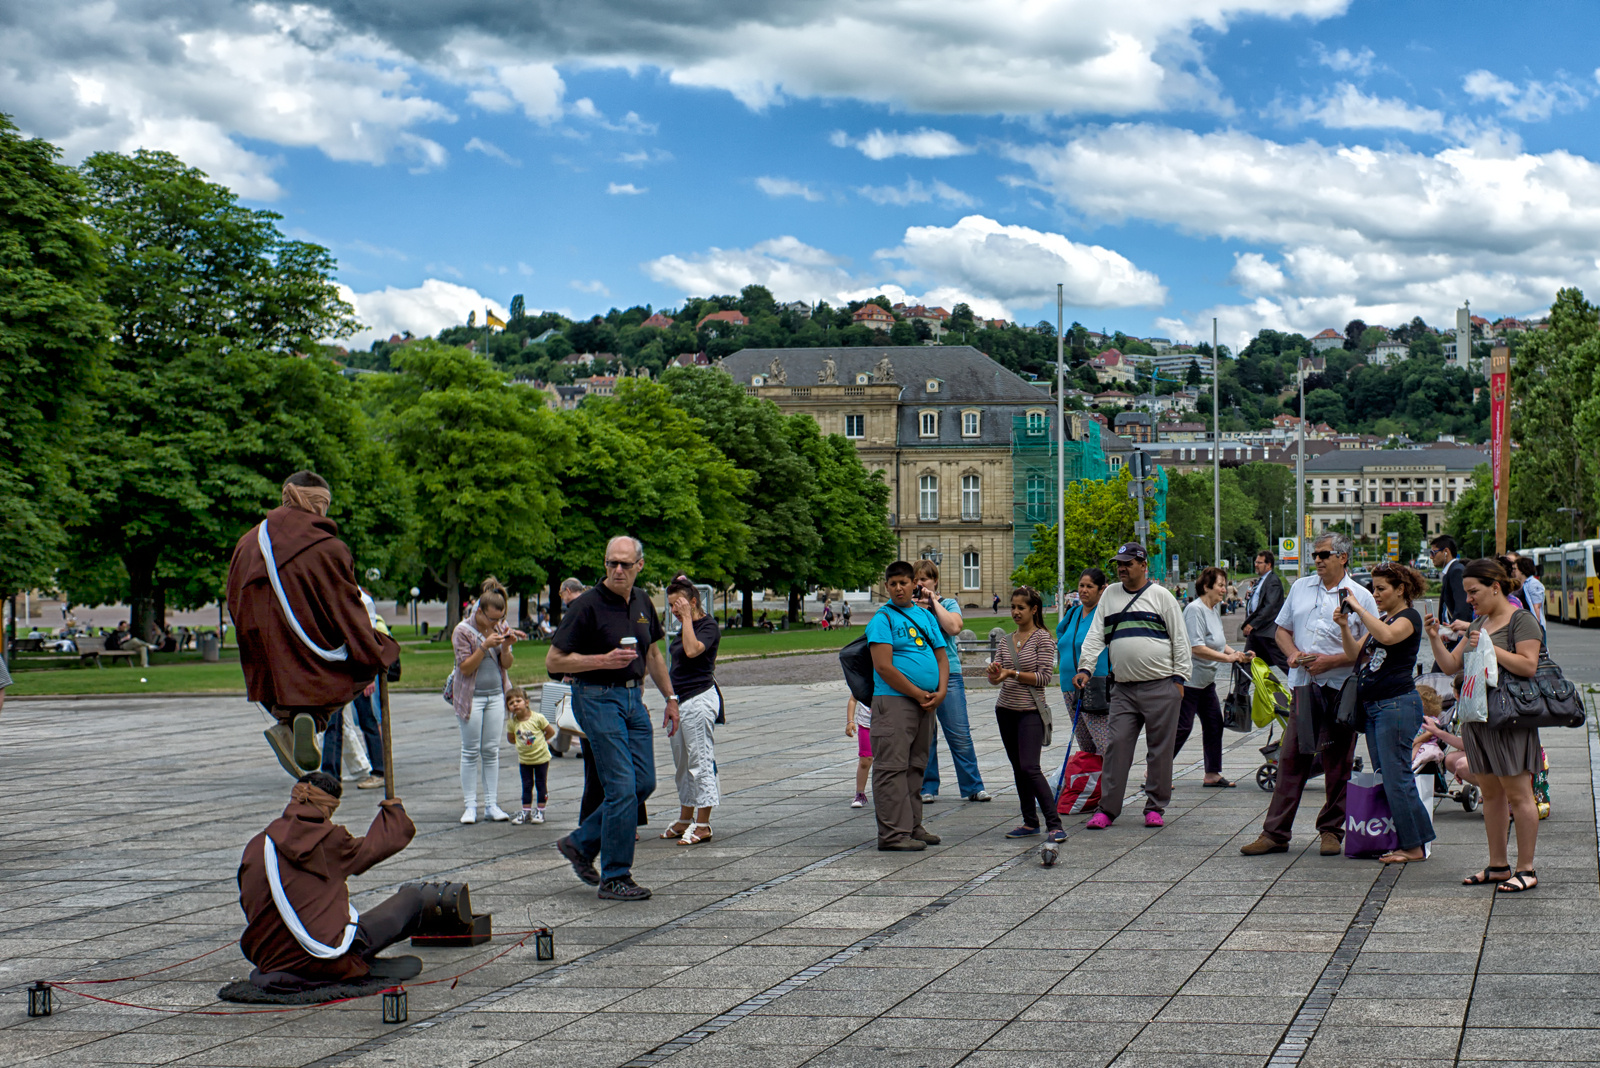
{"x": 95, "y": 648}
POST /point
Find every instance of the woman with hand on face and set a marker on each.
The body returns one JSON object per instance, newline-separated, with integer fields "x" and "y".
{"x": 1385, "y": 664}
{"x": 484, "y": 648}
{"x": 1208, "y": 647}
{"x": 1504, "y": 759}
{"x": 1021, "y": 669}
{"x": 694, "y": 663}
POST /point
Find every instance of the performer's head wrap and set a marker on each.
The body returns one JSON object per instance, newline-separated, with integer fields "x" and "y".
{"x": 313, "y": 790}
{"x": 308, "y": 492}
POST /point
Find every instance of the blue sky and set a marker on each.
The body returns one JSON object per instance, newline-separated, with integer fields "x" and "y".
{"x": 1281, "y": 163}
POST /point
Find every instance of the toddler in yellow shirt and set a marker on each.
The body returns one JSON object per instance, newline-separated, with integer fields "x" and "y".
{"x": 530, "y": 732}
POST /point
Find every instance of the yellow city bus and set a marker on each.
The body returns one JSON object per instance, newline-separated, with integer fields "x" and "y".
{"x": 1547, "y": 560}
{"x": 1580, "y": 582}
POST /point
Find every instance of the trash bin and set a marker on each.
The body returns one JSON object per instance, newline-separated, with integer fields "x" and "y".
{"x": 210, "y": 648}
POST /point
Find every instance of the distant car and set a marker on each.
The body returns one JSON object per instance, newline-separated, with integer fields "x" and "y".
{"x": 1363, "y": 576}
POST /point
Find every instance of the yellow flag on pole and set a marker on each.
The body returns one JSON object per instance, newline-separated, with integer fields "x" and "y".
{"x": 491, "y": 319}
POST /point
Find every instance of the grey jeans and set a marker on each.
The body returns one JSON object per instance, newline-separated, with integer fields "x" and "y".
{"x": 693, "y": 758}
{"x": 1153, "y": 708}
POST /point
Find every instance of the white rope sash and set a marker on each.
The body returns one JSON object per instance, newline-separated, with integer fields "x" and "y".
{"x": 291, "y": 919}
{"x": 265, "y": 542}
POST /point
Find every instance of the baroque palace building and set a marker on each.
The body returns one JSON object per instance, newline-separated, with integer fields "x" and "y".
{"x": 938, "y": 421}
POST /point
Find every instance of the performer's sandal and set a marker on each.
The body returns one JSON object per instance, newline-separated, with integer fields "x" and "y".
{"x": 1487, "y": 876}
{"x": 678, "y": 829}
{"x": 691, "y": 838}
{"x": 1523, "y": 880}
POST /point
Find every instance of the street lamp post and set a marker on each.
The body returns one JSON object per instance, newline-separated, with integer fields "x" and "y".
{"x": 1480, "y": 532}
{"x": 1519, "y": 523}
{"x": 1573, "y": 512}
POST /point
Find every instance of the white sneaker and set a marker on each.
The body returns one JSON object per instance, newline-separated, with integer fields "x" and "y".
{"x": 523, "y": 817}
{"x": 470, "y": 815}
{"x": 538, "y": 816}
{"x": 496, "y": 813}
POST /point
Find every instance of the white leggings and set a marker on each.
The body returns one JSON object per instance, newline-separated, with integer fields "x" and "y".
{"x": 694, "y": 762}
{"x": 480, "y": 745}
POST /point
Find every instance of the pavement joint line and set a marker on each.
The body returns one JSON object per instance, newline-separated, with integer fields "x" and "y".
{"x": 549, "y": 974}
{"x": 1296, "y": 1041}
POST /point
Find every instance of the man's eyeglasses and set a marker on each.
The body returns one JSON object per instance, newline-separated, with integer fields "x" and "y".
{"x": 1323, "y": 554}
{"x": 620, "y": 565}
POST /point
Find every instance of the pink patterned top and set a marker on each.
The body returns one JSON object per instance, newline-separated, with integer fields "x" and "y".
{"x": 1038, "y": 654}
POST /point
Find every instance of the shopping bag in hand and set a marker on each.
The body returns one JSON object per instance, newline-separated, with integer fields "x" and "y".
{"x": 1080, "y": 787}
{"x": 1368, "y": 823}
{"x": 1479, "y": 671}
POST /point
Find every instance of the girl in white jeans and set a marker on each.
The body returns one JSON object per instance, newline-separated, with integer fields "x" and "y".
{"x": 694, "y": 662}
{"x": 484, "y": 654}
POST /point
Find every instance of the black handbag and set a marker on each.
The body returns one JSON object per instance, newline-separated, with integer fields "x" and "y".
{"x": 1097, "y": 695}
{"x": 1351, "y": 715}
{"x": 1236, "y": 710}
{"x": 1546, "y": 700}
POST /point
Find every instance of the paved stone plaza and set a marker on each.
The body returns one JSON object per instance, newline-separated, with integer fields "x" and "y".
{"x": 788, "y": 939}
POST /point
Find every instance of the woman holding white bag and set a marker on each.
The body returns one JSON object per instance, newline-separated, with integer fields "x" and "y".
{"x": 1504, "y": 759}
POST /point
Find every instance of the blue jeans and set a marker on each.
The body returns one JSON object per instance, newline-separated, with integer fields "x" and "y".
{"x": 616, "y": 730}
{"x": 1392, "y": 725}
{"x": 952, "y": 714}
{"x": 333, "y": 737}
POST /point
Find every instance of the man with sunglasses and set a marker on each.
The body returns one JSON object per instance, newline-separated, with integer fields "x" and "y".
{"x": 1318, "y": 666}
{"x": 1454, "y": 611}
{"x": 608, "y": 639}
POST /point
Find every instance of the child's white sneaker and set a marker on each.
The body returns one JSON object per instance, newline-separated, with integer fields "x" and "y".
{"x": 538, "y": 816}
{"x": 859, "y": 802}
{"x": 522, "y": 817}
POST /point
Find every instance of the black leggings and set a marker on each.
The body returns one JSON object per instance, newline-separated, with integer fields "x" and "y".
{"x": 531, "y": 774}
{"x": 1202, "y": 701}
{"x": 1022, "y": 731}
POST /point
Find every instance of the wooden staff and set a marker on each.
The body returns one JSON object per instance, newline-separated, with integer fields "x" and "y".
{"x": 388, "y": 737}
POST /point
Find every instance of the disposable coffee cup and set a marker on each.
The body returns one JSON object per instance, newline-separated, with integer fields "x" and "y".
{"x": 630, "y": 644}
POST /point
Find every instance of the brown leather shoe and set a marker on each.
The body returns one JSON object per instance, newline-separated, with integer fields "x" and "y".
{"x": 1331, "y": 846}
{"x": 1262, "y": 846}
{"x": 922, "y": 834}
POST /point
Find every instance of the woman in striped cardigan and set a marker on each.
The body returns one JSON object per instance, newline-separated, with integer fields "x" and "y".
{"x": 1022, "y": 669}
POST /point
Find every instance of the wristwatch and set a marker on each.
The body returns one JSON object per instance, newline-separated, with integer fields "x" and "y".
{"x": 672, "y": 697}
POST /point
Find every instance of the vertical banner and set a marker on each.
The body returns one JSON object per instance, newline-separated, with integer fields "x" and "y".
{"x": 1499, "y": 373}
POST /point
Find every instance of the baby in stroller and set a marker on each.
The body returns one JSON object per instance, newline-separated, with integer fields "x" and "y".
{"x": 1438, "y": 750}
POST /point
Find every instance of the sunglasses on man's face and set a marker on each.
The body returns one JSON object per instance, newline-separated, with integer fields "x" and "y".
{"x": 620, "y": 565}
{"x": 1323, "y": 554}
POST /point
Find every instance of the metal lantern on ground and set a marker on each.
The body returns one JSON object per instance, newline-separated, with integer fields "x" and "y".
{"x": 39, "y": 999}
{"x": 544, "y": 945}
{"x": 394, "y": 1006}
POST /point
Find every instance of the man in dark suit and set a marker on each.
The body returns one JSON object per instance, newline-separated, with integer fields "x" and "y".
{"x": 1454, "y": 611}
{"x": 1261, "y": 612}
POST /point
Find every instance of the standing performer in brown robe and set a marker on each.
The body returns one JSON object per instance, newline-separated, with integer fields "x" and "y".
{"x": 306, "y": 643}
{"x": 312, "y": 936}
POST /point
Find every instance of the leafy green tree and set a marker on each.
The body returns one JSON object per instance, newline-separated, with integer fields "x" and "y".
{"x": 1189, "y": 514}
{"x": 961, "y": 318}
{"x": 1099, "y": 517}
{"x": 1270, "y": 488}
{"x": 1325, "y": 406}
{"x": 902, "y": 333}
{"x": 757, "y": 300}
{"x": 849, "y": 509}
{"x": 212, "y": 394}
{"x": 483, "y": 458}
{"x": 1473, "y": 510}
{"x": 1193, "y": 376}
{"x": 1556, "y": 415}
{"x": 517, "y": 312}
{"x": 52, "y": 350}
{"x": 1409, "y": 527}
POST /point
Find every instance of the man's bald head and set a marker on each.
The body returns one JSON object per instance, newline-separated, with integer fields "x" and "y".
{"x": 624, "y": 556}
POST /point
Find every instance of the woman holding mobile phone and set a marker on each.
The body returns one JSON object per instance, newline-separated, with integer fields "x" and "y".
{"x": 1385, "y": 664}
{"x": 484, "y": 648}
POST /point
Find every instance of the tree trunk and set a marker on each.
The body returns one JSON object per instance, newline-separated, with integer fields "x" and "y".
{"x": 452, "y": 596}
{"x": 159, "y": 605}
{"x": 555, "y": 593}
{"x": 141, "y": 594}
{"x": 747, "y": 606}
{"x": 794, "y": 605}
{"x": 522, "y": 607}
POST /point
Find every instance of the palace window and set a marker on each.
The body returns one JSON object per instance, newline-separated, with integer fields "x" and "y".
{"x": 971, "y": 497}
{"x": 971, "y": 574}
{"x": 855, "y": 426}
{"x": 970, "y": 423}
{"x": 928, "y": 498}
{"x": 928, "y": 424}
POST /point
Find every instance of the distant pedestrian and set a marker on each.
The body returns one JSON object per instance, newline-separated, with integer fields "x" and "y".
{"x": 858, "y": 725}
{"x": 952, "y": 711}
{"x": 1021, "y": 669}
{"x": 1094, "y": 718}
{"x": 1455, "y": 615}
{"x": 910, "y": 673}
{"x": 1139, "y": 622}
{"x": 995, "y": 607}
{"x": 1208, "y": 647}
{"x": 1261, "y": 610}
{"x": 530, "y": 732}
{"x": 694, "y": 665}
{"x": 608, "y": 641}
{"x": 1533, "y": 592}
{"x": 485, "y": 651}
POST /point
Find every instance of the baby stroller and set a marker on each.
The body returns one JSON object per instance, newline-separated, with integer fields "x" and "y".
{"x": 1266, "y": 697}
{"x": 1430, "y": 758}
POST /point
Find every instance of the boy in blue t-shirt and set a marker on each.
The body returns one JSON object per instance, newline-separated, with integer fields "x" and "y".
{"x": 910, "y": 674}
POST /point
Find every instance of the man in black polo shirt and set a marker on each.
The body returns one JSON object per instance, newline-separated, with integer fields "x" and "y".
{"x": 607, "y": 641}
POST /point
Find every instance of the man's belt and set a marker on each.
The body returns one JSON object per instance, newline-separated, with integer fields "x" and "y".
{"x": 630, "y": 684}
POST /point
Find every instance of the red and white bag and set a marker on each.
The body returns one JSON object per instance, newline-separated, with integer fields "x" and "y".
{"x": 1080, "y": 786}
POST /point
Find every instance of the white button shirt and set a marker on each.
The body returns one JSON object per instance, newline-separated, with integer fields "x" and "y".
{"x": 1308, "y": 613}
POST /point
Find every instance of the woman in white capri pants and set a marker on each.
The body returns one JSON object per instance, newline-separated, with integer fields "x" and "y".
{"x": 694, "y": 663}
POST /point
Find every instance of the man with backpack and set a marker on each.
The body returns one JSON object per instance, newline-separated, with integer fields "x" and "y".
{"x": 1138, "y": 621}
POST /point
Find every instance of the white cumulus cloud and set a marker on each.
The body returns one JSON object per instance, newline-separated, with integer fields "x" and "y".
{"x": 1533, "y": 101}
{"x": 1348, "y": 108}
{"x": 914, "y": 192}
{"x": 1342, "y": 59}
{"x": 921, "y": 143}
{"x": 625, "y": 189}
{"x": 492, "y": 150}
{"x": 424, "y": 310}
{"x": 786, "y": 187}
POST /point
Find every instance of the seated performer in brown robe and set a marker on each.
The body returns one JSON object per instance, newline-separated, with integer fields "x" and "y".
{"x": 301, "y": 929}
{"x": 306, "y": 642}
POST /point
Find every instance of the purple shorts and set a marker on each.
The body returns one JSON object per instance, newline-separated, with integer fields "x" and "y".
{"x": 864, "y": 742}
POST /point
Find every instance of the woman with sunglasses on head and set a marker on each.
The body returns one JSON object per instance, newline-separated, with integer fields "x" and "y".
{"x": 1208, "y": 647}
{"x": 1505, "y": 759}
{"x": 1385, "y": 664}
{"x": 1021, "y": 669}
{"x": 694, "y": 664}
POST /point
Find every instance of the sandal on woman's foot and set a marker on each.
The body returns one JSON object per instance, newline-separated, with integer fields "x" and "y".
{"x": 1398, "y": 856}
{"x": 691, "y": 838}
{"x": 1487, "y": 876}
{"x": 1219, "y": 783}
{"x": 1523, "y": 880}
{"x": 678, "y": 829}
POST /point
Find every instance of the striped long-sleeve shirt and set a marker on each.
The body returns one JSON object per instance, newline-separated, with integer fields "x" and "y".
{"x": 1149, "y": 642}
{"x": 1037, "y": 655}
